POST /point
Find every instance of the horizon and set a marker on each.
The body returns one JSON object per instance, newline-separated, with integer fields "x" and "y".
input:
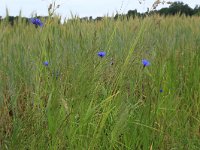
{"x": 79, "y": 8}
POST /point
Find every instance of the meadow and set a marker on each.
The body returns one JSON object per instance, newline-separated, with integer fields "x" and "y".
{"x": 56, "y": 92}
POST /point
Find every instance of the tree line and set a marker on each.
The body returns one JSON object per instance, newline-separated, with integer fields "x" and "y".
{"x": 175, "y": 8}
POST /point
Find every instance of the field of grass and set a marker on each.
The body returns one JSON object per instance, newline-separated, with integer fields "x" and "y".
{"x": 83, "y": 101}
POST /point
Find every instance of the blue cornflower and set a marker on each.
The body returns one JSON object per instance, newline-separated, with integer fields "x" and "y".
{"x": 46, "y": 63}
{"x": 145, "y": 62}
{"x": 36, "y": 22}
{"x": 161, "y": 90}
{"x": 101, "y": 54}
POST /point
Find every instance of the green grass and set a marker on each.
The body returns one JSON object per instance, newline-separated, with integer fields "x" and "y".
{"x": 93, "y": 104}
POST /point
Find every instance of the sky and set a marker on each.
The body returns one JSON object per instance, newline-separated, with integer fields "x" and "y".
{"x": 81, "y": 8}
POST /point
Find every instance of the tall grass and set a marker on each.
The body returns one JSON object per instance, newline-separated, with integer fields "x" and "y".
{"x": 82, "y": 101}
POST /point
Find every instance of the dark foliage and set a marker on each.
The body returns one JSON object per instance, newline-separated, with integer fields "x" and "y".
{"x": 12, "y": 20}
{"x": 175, "y": 8}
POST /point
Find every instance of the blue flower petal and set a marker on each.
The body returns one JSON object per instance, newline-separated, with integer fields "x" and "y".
{"x": 101, "y": 54}
{"x": 145, "y": 62}
{"x": 46, "y": 63}
{"x": 36, "y": 22}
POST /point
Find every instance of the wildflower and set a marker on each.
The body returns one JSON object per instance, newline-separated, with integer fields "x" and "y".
{"x": 56, "y": 74}
{"x": 36, "y": 22}
{"x": 46, "y": 63}
{"x": 161, "y": 90}
{"x": 112, "y": 62}
{"x": 101, "y": 54}
{"x": 145, "y": 62}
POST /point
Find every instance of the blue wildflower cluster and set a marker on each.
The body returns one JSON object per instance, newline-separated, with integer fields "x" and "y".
{"x": 46, "y": 63}
{"x": 101, "y": 54}
{"x": 145, "y": 62}
{"x": 36, "y": 22}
